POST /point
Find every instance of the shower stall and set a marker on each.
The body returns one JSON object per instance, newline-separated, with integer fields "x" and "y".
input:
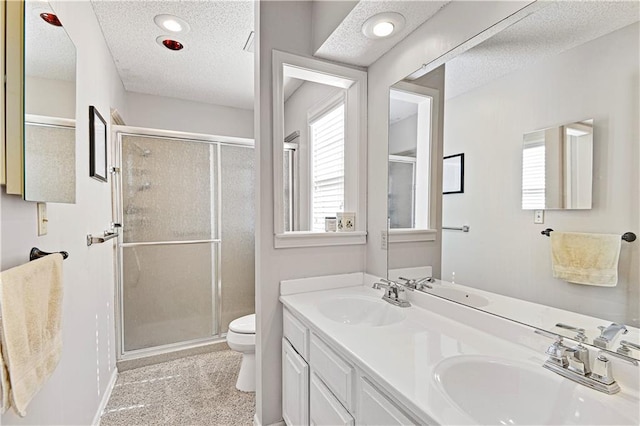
{"x": 185, "y": 261}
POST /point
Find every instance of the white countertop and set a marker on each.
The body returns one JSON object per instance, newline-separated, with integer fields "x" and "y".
{"x": 402, "y": 357}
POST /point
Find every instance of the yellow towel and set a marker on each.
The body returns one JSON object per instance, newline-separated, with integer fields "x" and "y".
{"x": 31, "y": 306}
{"x": 581, "y": 258}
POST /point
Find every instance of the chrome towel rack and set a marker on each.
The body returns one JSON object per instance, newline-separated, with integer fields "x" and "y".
{"x": 106, "y": 235}
{"x": 36, "y": 253}
{"x": 627, "y": 236}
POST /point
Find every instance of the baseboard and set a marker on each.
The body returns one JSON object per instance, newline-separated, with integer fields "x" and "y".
{"x": 256, "y": 422}
{"x": 105, "y": 397}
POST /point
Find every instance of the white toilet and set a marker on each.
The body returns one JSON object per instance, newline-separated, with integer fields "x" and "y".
{"x": 241, "y": 337}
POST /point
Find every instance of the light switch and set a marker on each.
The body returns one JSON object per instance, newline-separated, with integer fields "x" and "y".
{"x": 383, "y": 239}
{"x": 538, "y": 216}
{"x": 42, "y": 219}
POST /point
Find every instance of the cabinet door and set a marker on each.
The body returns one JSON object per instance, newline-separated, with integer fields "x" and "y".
{"x": 325, "y": 409}
{"x": 377, "y": 409}
{"x": 295, "y": 387}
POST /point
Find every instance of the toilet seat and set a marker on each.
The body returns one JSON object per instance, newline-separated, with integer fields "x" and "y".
{"x": 244, "y": 325}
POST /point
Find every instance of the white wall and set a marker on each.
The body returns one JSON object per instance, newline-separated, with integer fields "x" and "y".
{"x": 53, "y": 98}
{"x": 504, "y": 251}
{"x": 454, "y": 24}
{"x": 73, "y": 393}
{"x": 160, "y": 112}
{"x": 403, "y": 135}
{"x": 273, "y": 265}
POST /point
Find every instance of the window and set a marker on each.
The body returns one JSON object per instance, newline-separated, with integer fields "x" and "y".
{"x": 327, "y": 166}
{"x": 533, "y": 176}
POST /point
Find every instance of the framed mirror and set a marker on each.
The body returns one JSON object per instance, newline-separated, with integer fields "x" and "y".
{"x": 557, "y": 167}
{"x": 319, "y": 143}
{"x": 559, "y": 62}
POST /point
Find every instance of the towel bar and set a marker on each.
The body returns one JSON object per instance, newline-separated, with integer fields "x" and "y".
{"x": 627, "y": 236}
{"x": 463, "y": 228}
{"x": 106, "y": 236}
{"x": 36, "y": 253}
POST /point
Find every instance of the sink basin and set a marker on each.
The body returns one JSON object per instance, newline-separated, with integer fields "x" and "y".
{"x": 459, "y": 296}
{"x": 364, "y": 311}
{"x": 495, "y": 391}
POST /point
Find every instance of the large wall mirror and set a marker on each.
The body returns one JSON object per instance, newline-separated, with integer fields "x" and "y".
{"x": 570, "y": 68}
{"x": 319, "y": 145}
{"x": 48, "y": 169}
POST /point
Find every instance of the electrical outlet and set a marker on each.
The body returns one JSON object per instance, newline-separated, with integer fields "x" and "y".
{"x": 42, "y": 219}
{"x": 538, "y": 216}
{"x": 383, "y": 239}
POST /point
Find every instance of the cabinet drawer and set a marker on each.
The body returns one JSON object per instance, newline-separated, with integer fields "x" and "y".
{"x": 376, "y": 409}
{"x": 333, "y": 370}
{"x": 296, "y": 333}
{"x": 325, "y": 409}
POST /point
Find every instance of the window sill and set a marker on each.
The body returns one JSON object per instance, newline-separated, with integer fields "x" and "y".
{"x": 407, "y": 235}
{"x": 319, "y": 239}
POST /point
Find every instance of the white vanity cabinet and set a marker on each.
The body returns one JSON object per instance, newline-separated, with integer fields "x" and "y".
{"x": 323, "y": 387}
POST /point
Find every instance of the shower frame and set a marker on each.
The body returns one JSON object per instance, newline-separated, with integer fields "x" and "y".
{"x": 118, "y": 131}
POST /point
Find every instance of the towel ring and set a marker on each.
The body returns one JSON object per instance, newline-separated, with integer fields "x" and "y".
{"x": 36, "y": 253}
{"x": 627, "y": 236}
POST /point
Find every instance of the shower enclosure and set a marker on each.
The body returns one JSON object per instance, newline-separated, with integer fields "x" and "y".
{"x": 186, "y": 246}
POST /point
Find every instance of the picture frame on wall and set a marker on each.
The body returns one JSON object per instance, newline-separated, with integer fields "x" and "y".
{"x": 453, "y": 174}
{"x": 97, "y": 145}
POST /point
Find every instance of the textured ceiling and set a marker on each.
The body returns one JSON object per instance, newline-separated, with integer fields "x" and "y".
{"x": 213, "y": 68}
{"x": 347, "y": 43}
{"x": 552, "y": 30}
{"x": 49, "y": 52}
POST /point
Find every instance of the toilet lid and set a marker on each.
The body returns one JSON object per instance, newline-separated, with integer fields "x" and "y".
{"x": 244, "y": 325}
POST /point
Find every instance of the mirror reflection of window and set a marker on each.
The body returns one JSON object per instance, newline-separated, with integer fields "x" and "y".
{"x": 410, "y": 131}
{"x": 533, "y": 180}
{"x": 327, "y": 173}
{"x": 313, "y": 153}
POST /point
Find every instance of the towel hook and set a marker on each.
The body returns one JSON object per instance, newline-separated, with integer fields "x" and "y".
{"x": 627, "y": 236}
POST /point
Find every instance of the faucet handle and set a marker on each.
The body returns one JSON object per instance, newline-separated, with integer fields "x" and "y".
{"x": 602, "y": 370}
{"x": 625, "y": 346}
{"x": 580, "y": 336}
{"x": 557, "y": 351}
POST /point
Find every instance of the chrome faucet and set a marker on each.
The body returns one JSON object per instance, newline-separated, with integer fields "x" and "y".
{"x": 608, "y": 334}
{"x": 573, "y": 363}
{"x": 417, "y": 283}
{"x": 392, "y": 294}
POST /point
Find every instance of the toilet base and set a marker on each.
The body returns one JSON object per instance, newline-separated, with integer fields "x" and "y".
{"x": 247, "y": 375}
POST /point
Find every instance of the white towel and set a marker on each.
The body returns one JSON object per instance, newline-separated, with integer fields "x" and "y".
{"x": 581, "y": 258}
{"x": 31, "y": 306}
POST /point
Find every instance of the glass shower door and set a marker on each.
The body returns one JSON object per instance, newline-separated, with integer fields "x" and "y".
{"x": 169, "y": 248}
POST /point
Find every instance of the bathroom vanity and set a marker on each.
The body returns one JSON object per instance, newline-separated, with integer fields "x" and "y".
{"x": 351, "y": 358}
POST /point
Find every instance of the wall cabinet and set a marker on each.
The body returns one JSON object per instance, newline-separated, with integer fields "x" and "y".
{"x": 321, "y": 386}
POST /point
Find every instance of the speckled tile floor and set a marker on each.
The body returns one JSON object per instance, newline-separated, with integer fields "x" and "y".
{"x": 197, "y": 390}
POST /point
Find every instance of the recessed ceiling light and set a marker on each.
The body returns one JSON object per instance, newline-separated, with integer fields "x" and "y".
{"x": 170, "y": 43}
{"x": 172, "y": 23}
{"x": 51, "y": 19}
{"x": 383, "y": 25}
